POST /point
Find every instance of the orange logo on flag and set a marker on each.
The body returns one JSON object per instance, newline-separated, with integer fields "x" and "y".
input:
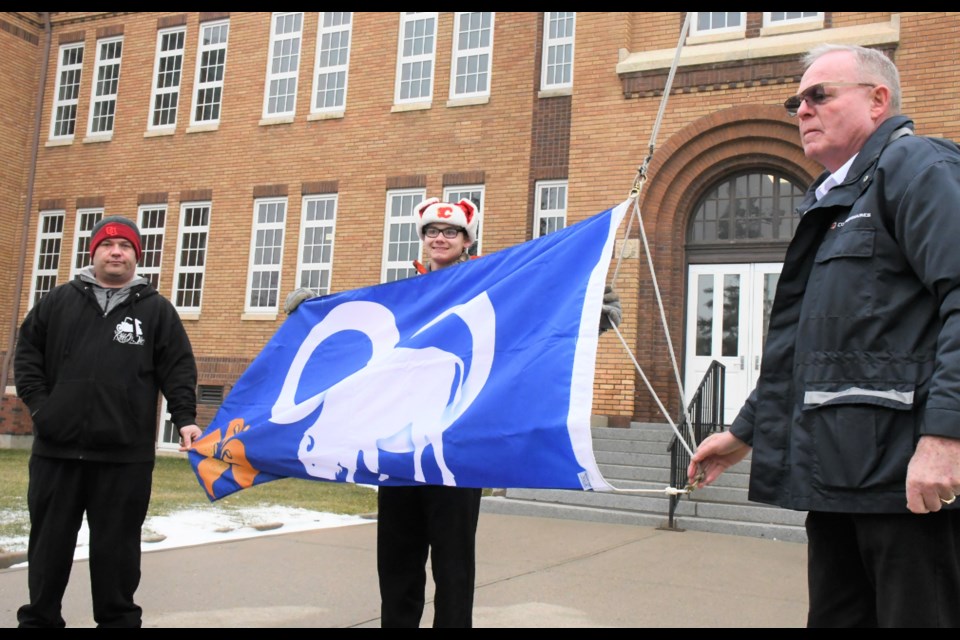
{"x": 222, "y": 454}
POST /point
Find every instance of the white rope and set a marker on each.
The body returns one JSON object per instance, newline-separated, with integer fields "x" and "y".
{"x": 635, "y": 195}
{"x": 663, "y": 410}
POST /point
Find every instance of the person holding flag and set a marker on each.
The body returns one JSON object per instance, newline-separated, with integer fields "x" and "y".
{"x": 436, "y": 521}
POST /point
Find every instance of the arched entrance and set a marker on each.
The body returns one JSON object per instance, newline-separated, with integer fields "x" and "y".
{"x": 736, "y": 238}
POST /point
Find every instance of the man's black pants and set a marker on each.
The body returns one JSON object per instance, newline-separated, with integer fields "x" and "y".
{"x": 115, "y": 498}
{"x": 887, "y": 570}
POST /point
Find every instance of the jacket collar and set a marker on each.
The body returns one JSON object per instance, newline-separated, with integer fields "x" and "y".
{"x": 861, "y": 171}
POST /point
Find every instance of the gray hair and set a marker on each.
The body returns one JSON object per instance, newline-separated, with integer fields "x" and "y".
{"x": 872, "y": 65}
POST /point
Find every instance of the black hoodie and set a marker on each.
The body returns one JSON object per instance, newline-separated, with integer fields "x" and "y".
{"x": 91, "y": 379}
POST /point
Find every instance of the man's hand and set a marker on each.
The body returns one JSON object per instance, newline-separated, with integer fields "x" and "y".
{"x": 188, "y": 436}
{"x": 612, "y": 311}
{"x": 295, "y": 297}
{"x": 716, "y": 454}
{"x": 933, "y": 475}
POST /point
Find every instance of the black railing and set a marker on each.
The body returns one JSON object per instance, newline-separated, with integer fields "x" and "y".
{"x": 706, "y": 416}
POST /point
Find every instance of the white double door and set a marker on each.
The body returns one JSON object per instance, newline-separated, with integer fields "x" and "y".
{"x": 728, "y": 312}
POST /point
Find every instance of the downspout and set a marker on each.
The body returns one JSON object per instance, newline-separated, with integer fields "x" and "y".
{"x": 25, "y": 229}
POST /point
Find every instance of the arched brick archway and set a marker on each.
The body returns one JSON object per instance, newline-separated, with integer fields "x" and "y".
{"x": 747, "y": 137}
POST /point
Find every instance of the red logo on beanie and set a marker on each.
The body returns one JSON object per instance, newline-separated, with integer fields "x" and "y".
{"x": 111, "y": 230}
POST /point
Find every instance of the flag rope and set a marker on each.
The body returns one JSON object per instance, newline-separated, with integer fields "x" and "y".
{"x": 636, "y": 213}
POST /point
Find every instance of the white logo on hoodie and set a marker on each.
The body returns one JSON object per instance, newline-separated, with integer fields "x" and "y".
{"x": 129, "y": 331}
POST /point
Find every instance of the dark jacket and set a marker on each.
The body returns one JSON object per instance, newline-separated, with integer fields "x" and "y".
{"x": 863, "y": 350}
{"x": 91, "y": 380}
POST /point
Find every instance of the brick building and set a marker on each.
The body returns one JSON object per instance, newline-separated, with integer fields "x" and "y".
{"x": 260, "y": 151}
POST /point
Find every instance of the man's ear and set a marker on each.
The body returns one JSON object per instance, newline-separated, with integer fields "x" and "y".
{"x": 880, "y": 102}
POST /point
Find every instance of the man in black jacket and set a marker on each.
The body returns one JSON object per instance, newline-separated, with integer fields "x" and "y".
{"x": 91, "y": 359}
{"x": 856, "y": 415}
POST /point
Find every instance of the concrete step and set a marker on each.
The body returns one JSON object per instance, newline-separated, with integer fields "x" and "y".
{"x": 636, "y": 462}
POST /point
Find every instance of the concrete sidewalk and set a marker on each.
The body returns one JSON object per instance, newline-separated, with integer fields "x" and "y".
{"x": 531, "y": 572}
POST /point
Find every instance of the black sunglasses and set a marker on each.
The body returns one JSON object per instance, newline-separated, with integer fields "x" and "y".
{"x": 815, "y": 95}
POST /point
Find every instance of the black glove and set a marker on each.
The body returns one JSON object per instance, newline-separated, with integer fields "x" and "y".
{"x": 612, "y": 311}
{"x": 295, "y": 297}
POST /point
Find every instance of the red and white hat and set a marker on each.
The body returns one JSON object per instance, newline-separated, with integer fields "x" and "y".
{"x": 463, "y": 214}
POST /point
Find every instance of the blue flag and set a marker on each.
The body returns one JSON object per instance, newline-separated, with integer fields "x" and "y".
{"x": 477, "y": 375}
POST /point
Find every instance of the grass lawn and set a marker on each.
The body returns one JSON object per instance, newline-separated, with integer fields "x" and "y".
{"x": 175, "y": 488}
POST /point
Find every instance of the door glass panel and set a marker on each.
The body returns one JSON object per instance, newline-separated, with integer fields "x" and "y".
{"x": 731, "y": 315}
{"x": 704, "y": 314}
{"x": 769, "y": 289}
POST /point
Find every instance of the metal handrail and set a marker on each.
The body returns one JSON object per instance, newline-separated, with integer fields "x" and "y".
{"x": 706, "y": 416}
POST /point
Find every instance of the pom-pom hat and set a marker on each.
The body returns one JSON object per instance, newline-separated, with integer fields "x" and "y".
{"x": 462, "y": 214}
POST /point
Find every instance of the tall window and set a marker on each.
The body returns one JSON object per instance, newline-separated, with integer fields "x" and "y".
{"x": 167, "y": 74}
{"x": 333, "y": 62}
{"x": 415, "y": 57}
{"x": 472, "y": 52}
{"x": 558, "y": 36}
{"x": 69, "y": 68}
{"x": 286, "y": 31}
{"x": 47, "y": 254}
{"x": 710, "y": 22}
{"x": 191, "y": 255}
{"x": 106, "y": 83}
{"x": 401, "y": 242}
{"x": 317, "y": 226}
{"x": 266, "y": 254}
{"x": 86, "y": 221}
{"x": 550, "y": 211}
{"x": 748, "y": 206}
{"x": 153, "y": 221}
{"x": 473, "y": 193}
{"x": 211, "y": 65}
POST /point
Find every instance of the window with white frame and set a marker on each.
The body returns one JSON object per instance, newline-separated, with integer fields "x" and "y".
{"x": 317, "y": 226}
{"x": 472, "y": 54}
{"x": 266, "y": 254}
{"x": 65, "y": 97}
{"x": 153, "y": 222}
{"x": 283, "y": 66}
{"x": 771, "y": 18}
{"x": 87, "y": 219}
{"x": 333, "y": 61}
{"x": 550, "y": 211}
{"x": 711, "y": 22}
{"x": 401, "y": 242}
{"x": 211, "y": 66}
{"x": 47, "y": 254}
{"x": 473, "y": 193}
{"x": 106, "y": 84}
{"x": 167, "y": 75}
{"x": 558, "y": 36}
{"x": 415, "y": 57}
{"x": 191, "y": 255}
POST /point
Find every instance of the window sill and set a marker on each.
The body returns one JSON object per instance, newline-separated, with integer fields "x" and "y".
{"x": 189, "y": 315}
{"x": 410, "y": 106}
{"x": 553, "y": 93}
{"x": 792, "y": 27}
{"x": 325, "y": 115}
{"x": 259, "y": 316}
{"x": 98, "y": 139}
{"x": 200, "y": 128}
{"x": 272, "y": 120}
{"x": 59, "y": 142}
{"x": 726, "y": 36}
{"x": 156, "y": 133}
{"x": 468, "y": 102}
